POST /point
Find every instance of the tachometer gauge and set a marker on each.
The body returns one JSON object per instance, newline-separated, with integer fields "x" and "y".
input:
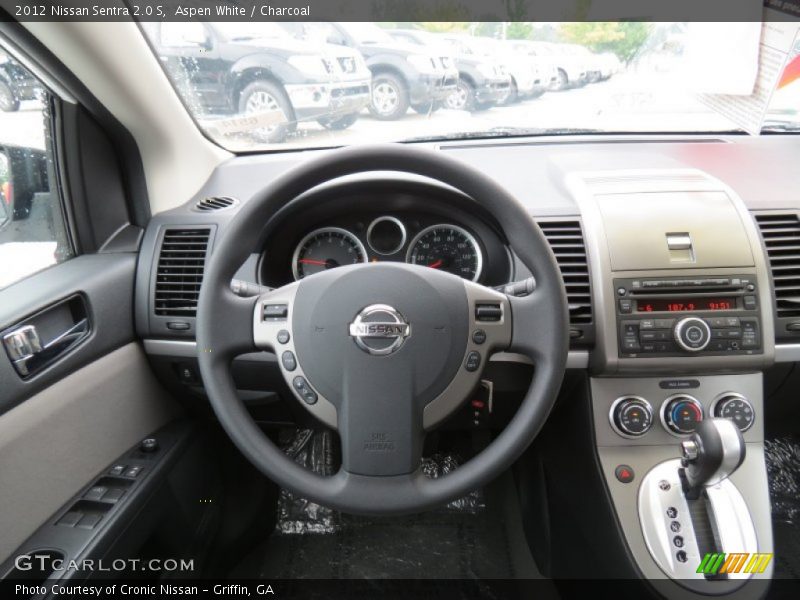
{"x": 448, "y": 248}
{"x": 326, "y": 248}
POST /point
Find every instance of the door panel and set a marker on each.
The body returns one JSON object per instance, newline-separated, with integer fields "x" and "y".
{"x": 62, "y": 425}
{"x": 52, "y": 444}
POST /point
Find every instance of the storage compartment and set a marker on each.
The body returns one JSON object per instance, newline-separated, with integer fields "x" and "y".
{"x": 673, "y": 230}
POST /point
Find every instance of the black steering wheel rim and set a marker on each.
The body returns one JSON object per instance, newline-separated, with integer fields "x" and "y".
{"x": 540, "y": 331}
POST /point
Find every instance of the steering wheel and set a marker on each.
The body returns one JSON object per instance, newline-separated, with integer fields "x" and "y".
{"x": 382, "y": 352}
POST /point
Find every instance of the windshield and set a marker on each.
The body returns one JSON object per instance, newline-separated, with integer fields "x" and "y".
{"x": 269, "y": 86}
{"x": 367, "y": 33}
{"x": 249, "y": 31}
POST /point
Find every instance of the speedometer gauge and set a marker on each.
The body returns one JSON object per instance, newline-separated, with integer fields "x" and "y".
{"x": 448, "y": 248}
{"x": 326, "y": 248}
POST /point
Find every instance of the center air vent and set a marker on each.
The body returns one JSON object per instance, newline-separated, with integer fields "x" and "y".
{"x": 781, "y": 234}
{"x": 215, "y": 203}
{"x": 566, "y": 240}
{"x": 180, "y": 271}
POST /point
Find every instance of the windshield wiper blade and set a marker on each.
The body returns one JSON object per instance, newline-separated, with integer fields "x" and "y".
{"x": 501, "y": 132}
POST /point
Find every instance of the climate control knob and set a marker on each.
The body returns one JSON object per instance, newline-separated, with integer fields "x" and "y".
{"x": 692, "y": 334}
{"x": 631, "y": 416}
{"x": 680, "y": 414}
{"x": 737, "y": 408}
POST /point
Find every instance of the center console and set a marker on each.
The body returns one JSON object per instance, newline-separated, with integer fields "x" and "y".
{"x": 684, "y": 330}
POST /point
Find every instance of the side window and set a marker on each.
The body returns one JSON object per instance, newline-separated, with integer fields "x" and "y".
{"x": 33, "y": 232}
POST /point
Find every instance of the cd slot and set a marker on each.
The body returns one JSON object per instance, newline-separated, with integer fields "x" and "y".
{"x": 693, "y": 291}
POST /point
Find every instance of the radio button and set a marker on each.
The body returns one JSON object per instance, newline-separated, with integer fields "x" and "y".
{"x": 692, "y": 334}
{"x": 626, "y": 305}
{"x": 732, "y": 322}
{"x": 717, "y": 322}
{"x": 647, "y": 324}
{"x": 630, "y": 328}
{"x": 631, "y": 345}
{"x": 664, "y": 323}
{"x": 750, "y": 303}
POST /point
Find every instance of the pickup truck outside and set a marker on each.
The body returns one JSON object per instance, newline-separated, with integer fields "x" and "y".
{"x": 260, "y": 70}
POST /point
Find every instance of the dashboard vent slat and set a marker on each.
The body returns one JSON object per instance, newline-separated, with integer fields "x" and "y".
{"x": 215, "y": 203}
{"x": 181, "y": 261}
{"x": 781, "y": 235}
{"x": 566, "y": 240}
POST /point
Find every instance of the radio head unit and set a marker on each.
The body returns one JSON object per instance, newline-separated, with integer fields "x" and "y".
{"x": 679, "y": 316}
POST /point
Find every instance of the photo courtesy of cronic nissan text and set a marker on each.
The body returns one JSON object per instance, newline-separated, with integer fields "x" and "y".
{"x": 400, "y": 299}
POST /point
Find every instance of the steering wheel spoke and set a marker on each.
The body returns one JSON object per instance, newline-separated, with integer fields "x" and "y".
{"x": 533, "y": 329}
{"x": 231, "y": 328}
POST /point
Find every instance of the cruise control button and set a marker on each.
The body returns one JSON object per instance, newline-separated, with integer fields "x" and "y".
{"x": 288, "y": 360}
{"x": 479, "y": 336}
{"x": 473, "y": 361}
{"x": 283, "y": 337}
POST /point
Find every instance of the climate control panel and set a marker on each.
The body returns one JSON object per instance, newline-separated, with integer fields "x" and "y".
{"x": 632, "y": 416}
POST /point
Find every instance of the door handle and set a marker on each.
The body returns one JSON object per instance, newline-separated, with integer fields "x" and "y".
{"x": 27, "y": 353}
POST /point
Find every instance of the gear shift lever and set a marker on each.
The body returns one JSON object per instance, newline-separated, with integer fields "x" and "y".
{"x": 715, "y": 450}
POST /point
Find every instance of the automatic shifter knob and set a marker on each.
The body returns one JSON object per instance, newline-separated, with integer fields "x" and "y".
{"x": 713, "y": 453}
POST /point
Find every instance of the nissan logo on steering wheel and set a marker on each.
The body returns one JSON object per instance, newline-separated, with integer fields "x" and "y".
{"x": 379, "y": 329}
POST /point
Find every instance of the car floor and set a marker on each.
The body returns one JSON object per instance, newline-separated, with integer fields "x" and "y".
{"x": 783, "y": 472}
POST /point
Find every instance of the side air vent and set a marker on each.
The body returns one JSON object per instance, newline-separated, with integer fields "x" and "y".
{"x": 781, "y": 235}
{"x": 181, "y": 260}
{"x": 566, "y": 240}
{"x": 215, "y": 203}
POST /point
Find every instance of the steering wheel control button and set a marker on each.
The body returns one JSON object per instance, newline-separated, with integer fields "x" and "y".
{"x": 288, "y": 360}
{"x": 473, "y": 361}
{"x": 479, "y": 336}
{"x": 283, "y": 337}
{"x": 488, "y": 312}
{"x": 624, "y": 474}
{"x": 737, "y": 408}
{"x": 692, "y": 334}
{"x": 681, "y": 414}
{"x": 631, "y": 416}
{"x": 308, "y": 395}
{"x": 275, "y": 312}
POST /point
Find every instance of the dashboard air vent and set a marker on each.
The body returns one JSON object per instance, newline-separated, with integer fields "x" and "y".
{"x": 781, "y": 235}
{"x": 215, "y": 203}
{"x": 180, "y": 271}
{"x": 566, "y": 240}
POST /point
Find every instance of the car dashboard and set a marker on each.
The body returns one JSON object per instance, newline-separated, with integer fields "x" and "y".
{"x": 680, "y": 269}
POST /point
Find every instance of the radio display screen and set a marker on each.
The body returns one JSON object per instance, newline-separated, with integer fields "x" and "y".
{"x": 685, "y": 304}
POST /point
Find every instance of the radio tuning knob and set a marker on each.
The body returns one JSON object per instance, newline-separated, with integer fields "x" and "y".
{"x": 692, "y": 334}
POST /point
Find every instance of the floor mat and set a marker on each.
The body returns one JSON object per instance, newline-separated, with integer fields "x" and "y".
{"x": 783, "y": 472}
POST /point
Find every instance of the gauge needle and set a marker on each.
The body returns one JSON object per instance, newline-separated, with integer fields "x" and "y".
{"x": 311, "y": 261}
{"x": 436, "y": 265}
